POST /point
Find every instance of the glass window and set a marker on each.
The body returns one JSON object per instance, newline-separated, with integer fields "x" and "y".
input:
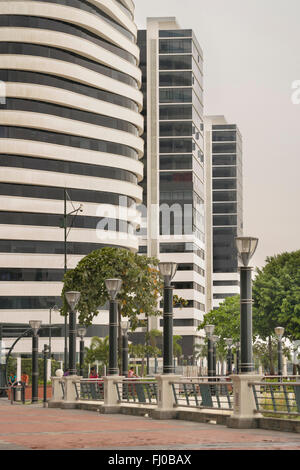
{"x": 175, "y": 95}
{"x": 163, "y": 33}
{"x": 224, "y": 136}
{"x": 225, "y": 208}
{"x": 225, "y": 172}
{"x": 224, "y": 196}
{"x": 175, "y": 145}
{"x": 224, "y": 220}
{"x": 175, "y": 46}
{"x": 176, "y": 162}
{"x": 175, "y": 129}
{"x": 175, "y": 79}
{"x": 224, "y": 160}
{"x": 175, "y": 112}
{"x": 16, "y": 274}
{"x": 50, "y": 247}
{"x": 223, "y": 148}
{"x": 224, "y": 183}
{"x": 175, "y": 62}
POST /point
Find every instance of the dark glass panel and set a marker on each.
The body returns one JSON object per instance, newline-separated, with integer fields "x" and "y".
{"x": 223, "y": 148}
{"x": 24, "y": 76}
{"x": 175, "y": 112}
{"x": 50, "y": 247}
{"x": 61, "y": 166}
{"x": 224, "y": 195}
{"x": 23, "y": 133}
{"x": 224, "y": 172}
{"x": 224, "y": 160}
{"x": 175, "y": 129}
{"x": 31, "y": 275}
{"x": 176, "y": 162}
{"x": 224, "y": 136}
{"x": 178, "y": 62}
{"x": 52, "y": 192}
{"x": 175, "y": 95}
{"x": 175, "y": 46}
{"x": 175, "y": 145}
{"x": 163, "y": 33}
{"x": 224, "y": 183}
{"x": 224, "y": 220}
{"x": 225, "y": 208}
{"x": 175, "y": 79}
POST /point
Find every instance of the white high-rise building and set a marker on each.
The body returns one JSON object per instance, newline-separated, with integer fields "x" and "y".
{"x": 174, "y": 185}
{"x": 70, "y": 121}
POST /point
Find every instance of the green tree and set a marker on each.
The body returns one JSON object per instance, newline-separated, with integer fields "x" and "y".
{"x": 98, "y": 351}
{"x": 141, "y": 286}
{"x": 276, "y": 294}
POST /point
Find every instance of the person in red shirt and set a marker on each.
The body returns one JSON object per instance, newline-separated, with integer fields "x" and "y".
{"x": 93, "y": 373}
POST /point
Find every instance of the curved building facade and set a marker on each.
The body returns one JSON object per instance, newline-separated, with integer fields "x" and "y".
{"x": 70, "y": 128}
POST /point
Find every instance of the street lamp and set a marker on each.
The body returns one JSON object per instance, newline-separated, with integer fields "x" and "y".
{"x": 56, "y": 310}
{"x": 168, "y": 271}
{"x": 209, "y": 329}
{"x": 124, "y": 327}
{"x": 228, "y": 342}
{"x": 214, "y": 339}
{"x": 45, "y": 356}
{"x": 35, "y": 326}
{"x": 279, "y": 330}
{"x": 238, "y": 345}
{"x": 113, "y": 287}
{"x": 81, "y": 331}
{"x": 246, "y": 247}
{"x": 72, "y": 298}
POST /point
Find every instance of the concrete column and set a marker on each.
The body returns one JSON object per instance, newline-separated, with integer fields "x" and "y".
{"x": 48, "y": 369}
{"x": 244, "y": 415}
{"x": 57, "y": 395}
{"x": 70, "y": 396}
{"x": 165, "y": 402}
{"x": 111, "y": 399}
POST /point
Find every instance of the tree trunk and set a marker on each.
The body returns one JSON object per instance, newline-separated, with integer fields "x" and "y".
{"x": 272, "y": 370}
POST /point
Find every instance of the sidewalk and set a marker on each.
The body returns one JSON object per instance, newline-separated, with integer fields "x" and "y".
{"x": 34, "y": 427}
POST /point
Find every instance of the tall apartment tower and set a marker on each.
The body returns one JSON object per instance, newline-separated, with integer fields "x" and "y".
{"x": 174, "y": 184}
{"x": 70, "y": 120}
{"x": 224, "y": 148}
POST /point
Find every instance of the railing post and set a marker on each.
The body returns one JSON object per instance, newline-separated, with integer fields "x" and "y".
{"x": 165, "y": 399}
{"x": 244, "y": 409}
{"x": 111, "y": 399}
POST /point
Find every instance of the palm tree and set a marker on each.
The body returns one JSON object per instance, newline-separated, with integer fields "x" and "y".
{"x": 98, "y": 351}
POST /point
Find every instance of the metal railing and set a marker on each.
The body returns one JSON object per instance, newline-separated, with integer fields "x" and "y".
{"x": 89, "y": 389}
{"x": 277, "y": 397}
{"x": 137, "y": 391}
{"x": 203, "y": 392}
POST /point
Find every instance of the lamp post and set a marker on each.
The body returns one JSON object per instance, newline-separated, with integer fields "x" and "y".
{"x": 168, "y": 271}
{"x": 113, "y": 287}
{"x": 124, "y": 329}
{"x": 74, "y": 214}
{"x": 238, "y": 345}
{"x": 45, "y": 357}
{"x": 246, "y": 247}
{"x": 228, "y": 342}
{"x": 279, "y": 330}
{"x": 72, "y": 298}
{"x": 214, "y": 339}
{"x": 35, "y": 326}
{"x": 209, "y": 329}
{"x": 81, "y": 331}
{"x": 52, "y": 309}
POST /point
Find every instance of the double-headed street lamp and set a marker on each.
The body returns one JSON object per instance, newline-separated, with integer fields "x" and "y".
{"x": 72, "y": 298}
{"x": 168, "y": 271}
{"x": 209, "y": 329}
{"x": 35, "y": 326}
{"x": 246, "y": 247}
{"x": 81, "y": 331}
{"x": 113, "y": 287}
{"x": 124, "y": 329}
{"x": 228, "y": 342}
{"x": 279, "y": 330}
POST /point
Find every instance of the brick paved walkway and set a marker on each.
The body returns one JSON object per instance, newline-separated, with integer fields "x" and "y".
{"x": 35, "y": 427}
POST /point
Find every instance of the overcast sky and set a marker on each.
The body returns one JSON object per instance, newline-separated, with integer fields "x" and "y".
{"x": 251, "y": 59}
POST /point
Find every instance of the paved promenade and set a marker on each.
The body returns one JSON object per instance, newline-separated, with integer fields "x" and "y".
{"x": 28, "y": 427}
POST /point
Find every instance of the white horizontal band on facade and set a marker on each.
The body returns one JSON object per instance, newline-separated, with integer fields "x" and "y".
{"x": 89, "y": 21}
{"x": 74, "y": 72}
{"x": 54, "y": 206}
{"x": 114, "y": 11}
{"x": 61, "y": 125}
{"x": 74, "y": 44}
{"x": 70, "y": 99}
{"x": 38, "y": 260}
{"x": 46, "y": 178}
{"x": 38, "y": 149}
{"x": 30, "y": 289}
{"x": 81, "y": 235}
